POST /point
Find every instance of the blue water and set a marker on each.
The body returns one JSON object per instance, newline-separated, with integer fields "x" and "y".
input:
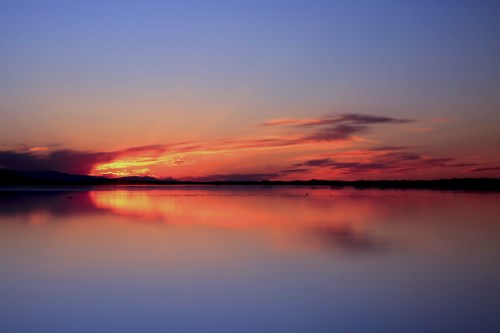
{"x": 236, "y": 259}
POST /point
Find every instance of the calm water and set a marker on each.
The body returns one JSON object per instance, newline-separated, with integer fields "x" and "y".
{"x": 201, "y": 259}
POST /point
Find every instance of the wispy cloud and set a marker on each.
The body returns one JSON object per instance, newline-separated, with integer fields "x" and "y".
{"x": 484, "y": 169}
{"x": 336, "y": 133}
{"x": 292, "y": 121}
{"x": 348, "y": 118}
{"x": 318, "y": 162}
{"x": 385, "y": 159}
{"x": 343, "y": 127}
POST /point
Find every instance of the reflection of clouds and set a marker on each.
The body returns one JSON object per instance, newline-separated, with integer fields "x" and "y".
{"x": 345, "y": 238}
{"x": 132, "y": 203}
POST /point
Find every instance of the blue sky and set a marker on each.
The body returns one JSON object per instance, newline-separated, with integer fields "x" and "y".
{"x": 231, "y": 64}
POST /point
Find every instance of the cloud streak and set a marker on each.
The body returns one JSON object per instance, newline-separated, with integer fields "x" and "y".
{"x": 386, "y": 160}
{"x": 484, "y": 169}
{"x": 330, "y": 128}
{"x": 348, "y": 118}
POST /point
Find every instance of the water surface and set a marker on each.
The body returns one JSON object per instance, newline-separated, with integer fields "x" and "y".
{"x": 248, "y": 259}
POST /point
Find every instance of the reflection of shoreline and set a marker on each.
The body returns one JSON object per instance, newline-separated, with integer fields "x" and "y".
{"x": 47, "y": 203}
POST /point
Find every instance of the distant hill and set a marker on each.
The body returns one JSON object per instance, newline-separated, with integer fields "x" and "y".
{"x": 10, "y": 177}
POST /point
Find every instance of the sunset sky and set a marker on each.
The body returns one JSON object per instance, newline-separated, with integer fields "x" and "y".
{"x": 257, "y": 89}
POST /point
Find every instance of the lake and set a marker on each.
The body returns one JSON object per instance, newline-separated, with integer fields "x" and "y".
{"x": 248, "y": 259}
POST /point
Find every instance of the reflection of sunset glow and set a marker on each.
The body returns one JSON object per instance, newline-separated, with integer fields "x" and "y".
{"x": 39, "y": 217}
{"x": 182, "y": 207}
{"x": 286, "y": 218}
{"x": 228, "y": 209}
{"x": 305, "y": 224}
{"x": 133, "y": 203}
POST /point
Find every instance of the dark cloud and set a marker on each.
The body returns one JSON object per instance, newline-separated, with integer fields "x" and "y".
{"x": 365, "y": 119}
{"x": 69, "y": 161}
{"x": 336, "y": 133}
{"x": 318, "y": 162}
{"x": 293, "y": 170}
{"x": 345, "y": 126}
{"x": 461, "y": 165}
{"x": 484, "y": 169}
{"x": 398, "y": 156}
{"x": 77, "y": 162}
{"x": 347, "y": 118}
{"x": 394, "y": 161}
{"x": 305, "y": 131}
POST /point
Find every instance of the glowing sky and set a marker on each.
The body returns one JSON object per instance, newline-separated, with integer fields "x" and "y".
{"x": 251, "y": 89}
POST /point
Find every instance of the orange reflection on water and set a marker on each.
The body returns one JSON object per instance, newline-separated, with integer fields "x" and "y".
{"x": 288, "y": 216}
{"x": 38, "y": 217}
{"x": 133, "y": 203}
{"x": 230, "y": 208}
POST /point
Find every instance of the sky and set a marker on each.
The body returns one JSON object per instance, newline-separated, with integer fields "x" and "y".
{"x": 232, "y": 90}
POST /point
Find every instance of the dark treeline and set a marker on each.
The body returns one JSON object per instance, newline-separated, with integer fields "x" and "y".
{"x": 459, "y": 184}
{"x": 52, "y": 178}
